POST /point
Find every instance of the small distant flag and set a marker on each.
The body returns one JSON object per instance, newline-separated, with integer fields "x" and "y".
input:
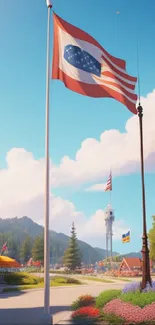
{"x": 126, "y": 237}
{"x": 108, "y": 186}
{"x": 4, "y": 248}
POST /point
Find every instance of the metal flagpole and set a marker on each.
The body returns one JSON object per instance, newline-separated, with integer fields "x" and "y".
{"x": 111, "y": 185}
{"x": 47, "y": 318}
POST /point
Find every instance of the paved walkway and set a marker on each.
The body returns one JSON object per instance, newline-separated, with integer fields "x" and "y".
{"x": 26, "y": 308}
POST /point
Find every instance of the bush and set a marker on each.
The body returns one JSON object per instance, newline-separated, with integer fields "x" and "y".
{"x": 138, "y": 298}
{"x": 65, "y": 280}
{"x": 83, "y": 301}
{"x": 86, "y": 313}
{"x": 106, "y": 296}
{"x": 22, "y": 278}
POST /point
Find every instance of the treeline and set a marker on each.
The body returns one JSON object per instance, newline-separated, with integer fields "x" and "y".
{"x": 34, "y": 248}
{"x": 23, "y": 249}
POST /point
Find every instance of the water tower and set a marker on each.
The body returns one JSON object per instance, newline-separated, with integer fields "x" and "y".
{"x": 109, "y": 219}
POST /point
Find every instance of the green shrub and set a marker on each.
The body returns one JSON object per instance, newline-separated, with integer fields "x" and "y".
{"x": 65, "y": 280}
{"x": 111, "y": 319}
{"x": 83, "y": 301}
{"x": 106, "y": 296}
{"x": 139, "y": 298}
{"x": 72, "y": 280}
{"x": 21, "y": 278}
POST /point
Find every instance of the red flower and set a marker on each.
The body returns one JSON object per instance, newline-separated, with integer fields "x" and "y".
{"x": 86, "y": 300}
{"x": 86, "y": 312}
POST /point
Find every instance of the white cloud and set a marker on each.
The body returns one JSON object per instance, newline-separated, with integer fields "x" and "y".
{"x": 96, "y": 188}
{"x": 121, "y": 150}
{"x": 22, "y": 193}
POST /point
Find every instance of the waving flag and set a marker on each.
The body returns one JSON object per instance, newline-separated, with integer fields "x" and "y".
{"x": 85, "y": 67}
{"x": 4, "y": 248}
{"x": 108, "y": 186}
{"x": 126, "y": 237}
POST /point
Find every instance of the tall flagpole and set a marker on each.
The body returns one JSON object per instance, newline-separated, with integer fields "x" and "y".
{"x": 111, "y": 187}
{"x": 47, "y": 319}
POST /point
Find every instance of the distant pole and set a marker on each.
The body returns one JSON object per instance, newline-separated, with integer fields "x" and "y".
{"x": 146, "y": 275}
{"x": 110, "y": 197}
{"x": 47, "y": 319}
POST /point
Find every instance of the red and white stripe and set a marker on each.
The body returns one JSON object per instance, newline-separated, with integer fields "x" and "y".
{"x": 4, "y": 247}
{"x": 108, "y": 186}
{"x": 114, "y": 81}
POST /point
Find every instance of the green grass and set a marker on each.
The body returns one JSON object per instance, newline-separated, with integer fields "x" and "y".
{"x": 106, "y": 296}
{"x": 122, "y": 279}
{"x": 111, "y": 319}
{"x": 55, "y": 282}
{"x": 138, "y": 298}
{"x": 91, "y": 278}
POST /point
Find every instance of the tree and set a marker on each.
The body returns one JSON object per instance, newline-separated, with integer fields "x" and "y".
{"x": 151, "y": 236}
{"x": 13, "y": 248}
{"x": 72, "y": 254}
{"x": 38, "y": 249}
{"x": 26, "y": 249}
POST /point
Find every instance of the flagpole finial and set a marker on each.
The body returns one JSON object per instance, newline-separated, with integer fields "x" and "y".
{"x": 49, "y": 4}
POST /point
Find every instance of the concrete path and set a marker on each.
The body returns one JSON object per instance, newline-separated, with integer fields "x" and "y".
{"x": 26, "y": 308}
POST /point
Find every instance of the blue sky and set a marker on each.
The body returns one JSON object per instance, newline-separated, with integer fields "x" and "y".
{"x": 74, "y": 117}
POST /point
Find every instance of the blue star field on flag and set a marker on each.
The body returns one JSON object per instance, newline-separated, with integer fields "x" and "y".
{"x": 82, "y": 60}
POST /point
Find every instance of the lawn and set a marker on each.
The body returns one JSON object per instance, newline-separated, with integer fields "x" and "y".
{"x": 93, "y": 278}
{"x": 122, "y": 279}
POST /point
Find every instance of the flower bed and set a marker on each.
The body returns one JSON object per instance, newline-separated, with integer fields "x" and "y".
{"x": 86, "y": 314}
{"x": 129, "y": 306}
{"x": 130, "y": 313}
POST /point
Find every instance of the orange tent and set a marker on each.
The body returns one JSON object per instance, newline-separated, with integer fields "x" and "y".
{"x": 7, "y": 262}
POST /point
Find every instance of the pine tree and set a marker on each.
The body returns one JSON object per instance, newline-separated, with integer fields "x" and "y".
{"x": 151, "y": 236}
{"x": 72, "y": 258}
{"x": 26, "y": 249}
{"x": 38, "y": 249}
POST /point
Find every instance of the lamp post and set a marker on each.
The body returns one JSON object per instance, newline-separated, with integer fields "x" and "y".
{"x": 146, "y": 276}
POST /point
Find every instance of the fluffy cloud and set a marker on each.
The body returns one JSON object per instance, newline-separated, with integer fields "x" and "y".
{"x": 122, "y": 151}
{"x": 96, "y": 188}
{"x": 22, "y": 193}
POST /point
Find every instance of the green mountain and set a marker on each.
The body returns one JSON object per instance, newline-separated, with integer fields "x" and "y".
{"x": 16, "y": 229}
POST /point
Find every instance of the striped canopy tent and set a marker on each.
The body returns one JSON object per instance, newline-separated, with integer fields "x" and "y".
{"x": 7, "y": 262}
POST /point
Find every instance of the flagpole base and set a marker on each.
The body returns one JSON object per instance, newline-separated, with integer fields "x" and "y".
{"x": 46, "y": 320}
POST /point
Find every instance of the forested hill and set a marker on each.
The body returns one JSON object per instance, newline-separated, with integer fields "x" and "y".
{"x": 15, "y": 230}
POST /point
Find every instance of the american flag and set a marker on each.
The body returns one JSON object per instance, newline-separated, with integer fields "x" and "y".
{"x": 85, "y": 67}
{"x": 4, "y": 247}
{"x": 108, "y": 186}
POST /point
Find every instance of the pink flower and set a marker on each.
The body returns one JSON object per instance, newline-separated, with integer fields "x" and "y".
{"x": 129, "y": 312}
